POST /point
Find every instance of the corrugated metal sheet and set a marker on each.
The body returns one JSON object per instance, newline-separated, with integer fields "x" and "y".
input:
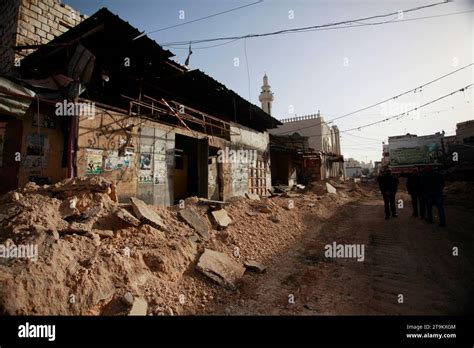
{"x": 14, "y": 98}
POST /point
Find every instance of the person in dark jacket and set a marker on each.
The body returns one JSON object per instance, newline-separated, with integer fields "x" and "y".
{"x": 388, "y": 185}
{"x": 415, "y": 190}
{"x": 433, "y": 185}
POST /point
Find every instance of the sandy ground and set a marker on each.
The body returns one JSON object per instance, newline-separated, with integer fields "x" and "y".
{"x": 403, "y": 256}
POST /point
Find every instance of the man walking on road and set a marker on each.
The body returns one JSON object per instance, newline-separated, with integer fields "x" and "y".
{"x": 415, "y": 190}
{"x": 433, "y": 185}
{"x": 388, "y": 185}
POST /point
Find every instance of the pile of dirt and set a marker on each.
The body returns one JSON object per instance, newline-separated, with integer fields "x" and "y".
{"x": 98, "y": 257}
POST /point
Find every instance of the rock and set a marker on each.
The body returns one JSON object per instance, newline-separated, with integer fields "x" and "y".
{"x": 221, "y": 217}
{"x": 92, "y": 212}
{"x": 104, "y": 233}
{"x": 251, "y": 213}
{"x": 255, "y": 266}
{"x": 139, "y": 307}
{"x": 265, "y": 210}
{"x": 128, "y": 298}
{"x": 311, "y": 205}
{"x": 54, "y": 234}
{"x": 252, "y": 196}
{"x": 221, "y": 268}
{"x": 195, "y": 221}
{"x": 194, "y": 238}
{"x": 330, "y": 188}
{"x": 144, "y": 212}
{"x": 124, "y": 215}
{"x": 80, "y": 227}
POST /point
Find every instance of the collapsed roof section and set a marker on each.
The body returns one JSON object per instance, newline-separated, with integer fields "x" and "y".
{"x": 106, "y": 63}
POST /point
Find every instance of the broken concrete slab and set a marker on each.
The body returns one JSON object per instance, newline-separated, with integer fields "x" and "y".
{"x": 195, "y": 221}
{"x": 80, "y": 227}
{"x": 255, "y": 266}
{"x": 144, "y": 212}
{"x": 330, "y": 188}
{"x": 252, "y": 196}
{"x": 139, "y": 307}
{"x": 124, "y": 215}
{"x": 221, "y": 217}
{"x": 221, "y": 268}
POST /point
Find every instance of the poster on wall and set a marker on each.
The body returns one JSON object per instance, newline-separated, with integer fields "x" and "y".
{"x": 112, "y": 161}
{"x": 34, "y": 146}
{"x": 94, "y": 161}
{"x": 145, "y": 161}
{"x": 45, "y": 121}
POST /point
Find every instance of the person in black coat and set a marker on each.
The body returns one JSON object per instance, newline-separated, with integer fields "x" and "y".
{"x": 415, "y": 190}
{"x": 388, "y": 185}
{"x": 433, "y": 185}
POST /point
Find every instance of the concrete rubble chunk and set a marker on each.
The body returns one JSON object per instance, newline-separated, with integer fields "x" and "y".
{"x": 139, "y": 307}
{"x": 252, "y": 196}
{"x": 251, "y": 213}
{"x": 255, "y": 266}
{"x": 144, "y": 212}
{"x": 124, "y": 215}
{"x": 128, "y": 298}
{"x": 221, "y": 217}
{"x": 311, "y": 205}
{"x": 195, "y": 221}
{"x": 221, "y": 268}
{"x": 79, "y": 227}
{"x": 330, "y": 188}
{"x": 265, "y": 210}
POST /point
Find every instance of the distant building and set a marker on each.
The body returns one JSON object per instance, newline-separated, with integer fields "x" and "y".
{"x": 323, "y": 138}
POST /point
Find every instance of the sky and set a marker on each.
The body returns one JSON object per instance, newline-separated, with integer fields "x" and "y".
{"x": 333, "y": 71}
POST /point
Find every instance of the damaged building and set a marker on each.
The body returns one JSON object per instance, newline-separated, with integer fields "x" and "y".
{"x": 321, "y": 158}
{"x": 97, "y": 100}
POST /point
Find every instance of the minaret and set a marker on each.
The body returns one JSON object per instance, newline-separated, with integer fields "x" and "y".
{"x": 266, "y": 96}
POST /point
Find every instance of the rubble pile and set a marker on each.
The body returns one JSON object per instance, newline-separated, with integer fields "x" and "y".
{"x": 96, "y": 256}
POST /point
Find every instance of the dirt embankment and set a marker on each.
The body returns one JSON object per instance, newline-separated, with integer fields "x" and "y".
{"x": 96, "y": 256}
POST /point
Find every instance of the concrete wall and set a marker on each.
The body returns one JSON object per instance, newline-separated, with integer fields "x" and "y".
{"x": 42, "y": 147}
{"x": 28, "y": 22}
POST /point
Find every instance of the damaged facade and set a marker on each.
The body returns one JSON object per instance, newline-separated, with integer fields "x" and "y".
{"x": 159, "y": 131}
{"x": 322, "y": 159}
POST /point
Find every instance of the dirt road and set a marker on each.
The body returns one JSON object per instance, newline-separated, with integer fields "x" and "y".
{"x": 403, "y": 256}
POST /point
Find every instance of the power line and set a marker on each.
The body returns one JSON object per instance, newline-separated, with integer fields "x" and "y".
{"x": 419, "y": 88}
{"x": 198, "y": 19}
{"x": 336, "y": 28}
{"x": 407, "y": 112}
{"x": 293, "y": 30}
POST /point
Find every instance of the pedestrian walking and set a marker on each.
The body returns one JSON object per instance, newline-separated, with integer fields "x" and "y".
{"x": 388, "y": 185}
{"x": 433, "y": 185}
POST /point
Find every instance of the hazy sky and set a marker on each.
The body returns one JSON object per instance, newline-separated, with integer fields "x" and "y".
{"x": 334, "y": 71}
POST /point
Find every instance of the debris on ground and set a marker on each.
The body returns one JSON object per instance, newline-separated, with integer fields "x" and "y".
{"x": 99, "y": 252}
{"x": 220, "y": 268}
